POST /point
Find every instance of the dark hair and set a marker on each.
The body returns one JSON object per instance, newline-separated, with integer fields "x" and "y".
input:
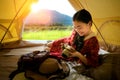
{"x": 78, "y": 42}
{"x": 83, "y": 16}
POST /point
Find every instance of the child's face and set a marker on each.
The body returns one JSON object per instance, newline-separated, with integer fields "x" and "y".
{"x": 81, "y": 28}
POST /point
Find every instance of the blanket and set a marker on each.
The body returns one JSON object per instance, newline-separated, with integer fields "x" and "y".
{"x": 109, "y": 68}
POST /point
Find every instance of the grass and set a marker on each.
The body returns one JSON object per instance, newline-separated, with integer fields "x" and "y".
{"x": 46, "y": 34}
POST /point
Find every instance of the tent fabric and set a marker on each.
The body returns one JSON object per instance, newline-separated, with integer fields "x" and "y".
{"x": 106, "y": 18}
{"x": 98, "y": 8}
{"x": 12, "y": 13}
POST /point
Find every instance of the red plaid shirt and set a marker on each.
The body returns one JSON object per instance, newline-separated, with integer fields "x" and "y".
{"x": 90, "y": 48}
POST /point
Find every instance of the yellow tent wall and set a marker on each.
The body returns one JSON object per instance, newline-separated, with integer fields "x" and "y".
{"x": 12, "y": 13}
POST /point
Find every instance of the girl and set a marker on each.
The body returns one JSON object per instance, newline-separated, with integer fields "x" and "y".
{"x": 82, "y": 39}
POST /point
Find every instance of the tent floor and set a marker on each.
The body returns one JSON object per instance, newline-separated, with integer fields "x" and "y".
{"x": 9, "y": 58}
{"x": 7, "y": 65}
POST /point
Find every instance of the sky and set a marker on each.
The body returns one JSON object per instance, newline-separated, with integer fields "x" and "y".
{"x": 62, "y": 6}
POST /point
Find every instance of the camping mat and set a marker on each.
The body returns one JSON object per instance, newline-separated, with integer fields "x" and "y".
{"x": 9, "y": 58}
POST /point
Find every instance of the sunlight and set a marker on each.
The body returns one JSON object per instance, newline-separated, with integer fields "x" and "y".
{"x": 35, "y": 7}
{"x": 62, "y": 6}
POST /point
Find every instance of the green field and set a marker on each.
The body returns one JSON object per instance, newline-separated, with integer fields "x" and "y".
{"x": 46, "y": 34}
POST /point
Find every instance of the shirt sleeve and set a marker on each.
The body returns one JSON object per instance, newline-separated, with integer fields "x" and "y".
{"x": 56, "y": 45}
{"x": 56, "y": 49}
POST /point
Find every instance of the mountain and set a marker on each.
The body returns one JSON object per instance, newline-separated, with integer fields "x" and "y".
{"x": 48, "y": 17}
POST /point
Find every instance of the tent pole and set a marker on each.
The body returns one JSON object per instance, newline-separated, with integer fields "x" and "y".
{"x": 101, "y": 35}
{"x": 12, "y": 22}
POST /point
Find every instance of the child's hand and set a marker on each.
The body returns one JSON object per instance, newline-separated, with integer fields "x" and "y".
{"x": 47, "y": 49}
{"x": 67, "y": 50}
{"x": 49, "y": 44}
{"x": 74, "y": 54}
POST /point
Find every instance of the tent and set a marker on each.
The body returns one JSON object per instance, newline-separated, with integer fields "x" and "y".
{"x": 106, "y": 17}
{"x": 12, "y": 13}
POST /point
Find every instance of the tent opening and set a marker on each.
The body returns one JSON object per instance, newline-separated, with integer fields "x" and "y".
{"x": 48, "y": 20}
